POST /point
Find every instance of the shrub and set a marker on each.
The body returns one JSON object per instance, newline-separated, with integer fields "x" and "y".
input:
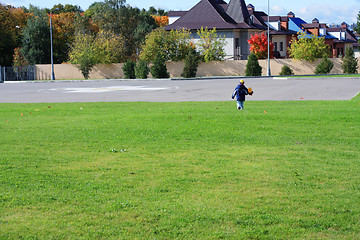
{"x": 350, "y": 63}
{"x": 159, "y": 70}
{"x": 286, "y": 70}
{"x": 325, "y": 66}
{"x": 129, "y": 69}
{"x": 191, "y": 64}
{"x": 308, "y": 48}
{"x": 253, "y": 67}
{"x": 141, "y": 69}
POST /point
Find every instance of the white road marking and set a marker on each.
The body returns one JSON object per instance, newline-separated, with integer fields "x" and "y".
{"x": 107, "y": 89}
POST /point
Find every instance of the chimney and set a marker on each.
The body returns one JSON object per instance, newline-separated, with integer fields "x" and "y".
{"x": 315, "y": 20}
{"x": 250, "y": 8}
{"x": 291, "y": 14}
{"x": 344, "y": 26}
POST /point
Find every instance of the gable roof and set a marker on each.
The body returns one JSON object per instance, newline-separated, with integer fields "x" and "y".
{"x": 214, "y": 14}
{"x": 237, "y": 10}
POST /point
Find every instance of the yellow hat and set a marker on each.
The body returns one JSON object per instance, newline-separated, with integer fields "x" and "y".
{"x": 241, "y": 81}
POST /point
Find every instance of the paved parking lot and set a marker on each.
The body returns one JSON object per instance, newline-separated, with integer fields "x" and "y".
{"x": 219, "y": 89}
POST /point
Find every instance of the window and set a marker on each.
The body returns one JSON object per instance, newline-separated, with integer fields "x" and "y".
{"x": 275, "y": 46}
{"x": 281, "y": 46}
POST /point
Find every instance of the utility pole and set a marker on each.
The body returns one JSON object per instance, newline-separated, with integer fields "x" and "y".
{"x": 51, "y": 49}
{"x": 268, "y": 40}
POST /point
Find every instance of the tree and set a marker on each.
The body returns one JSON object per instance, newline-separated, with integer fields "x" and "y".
{"x": 129, "y": 69}
{"x": 89, "y": 50}
{"x": 172, "y": 44}
{"x": 286, "y": 71}
{"x": 253, "y": 67}
{"x": 141, "y": 69}
{"x": 191, "y": 64}
{"x": 350, "y": 63}
{"x": 308, "y": 48}
{"x": 259, "y": 46}
{"x": 158, "y": 69}
{"x": 211, "y": 46}
{"x": 325, "y": 66}
{"x": 19, "y": 58}
{"x": 357, "y": 27}
{"x": 63, "y": 35}
{"x": 12, "y": 21}
{"x": 36, "y": 38}
{"x": 161, "y": 21}
{"x": 114, "y": 16}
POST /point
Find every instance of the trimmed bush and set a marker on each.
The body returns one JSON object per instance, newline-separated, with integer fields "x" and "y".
{"x": 286, "y": 71}
{"x": 253, "y": 67}
{"x": 129, "y": 69}
{"x": 325, "y": 66}
{"x": 141, "y": 69}
{"x": 350, "y": 63}
{"x": 191, "y": 64}
{"x": 159, "y": 70}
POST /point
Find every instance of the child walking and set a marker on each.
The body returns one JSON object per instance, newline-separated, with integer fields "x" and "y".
{"x": 240, "y": 92}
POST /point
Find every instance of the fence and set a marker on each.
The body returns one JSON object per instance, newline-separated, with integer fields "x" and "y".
{"x": 22, "y": 73}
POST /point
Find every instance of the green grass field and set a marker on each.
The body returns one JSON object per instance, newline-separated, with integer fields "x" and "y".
{"x": 192, "y": 170}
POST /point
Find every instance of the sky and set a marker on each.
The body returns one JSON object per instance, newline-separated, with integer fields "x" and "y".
{"x": 327, "y": 11}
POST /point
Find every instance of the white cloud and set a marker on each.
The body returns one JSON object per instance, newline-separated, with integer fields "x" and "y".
{"x": 329, "y": 14}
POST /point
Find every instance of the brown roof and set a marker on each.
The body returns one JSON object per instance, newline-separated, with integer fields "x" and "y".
{"x": 176, "y": 13}
{"x": 214, "y": 14}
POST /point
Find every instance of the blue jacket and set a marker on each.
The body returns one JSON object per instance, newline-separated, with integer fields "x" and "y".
{"x": 240, "y": 92}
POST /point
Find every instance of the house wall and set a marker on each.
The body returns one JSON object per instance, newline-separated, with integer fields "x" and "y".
{"x": 225, "y": 68}
{"x": 229, "y": 41}
{"x": 277, "y": 40}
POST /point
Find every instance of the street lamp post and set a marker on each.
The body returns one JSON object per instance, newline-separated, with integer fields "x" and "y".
{"x": 51, "y": 50}
{"x": 268, "y": 40}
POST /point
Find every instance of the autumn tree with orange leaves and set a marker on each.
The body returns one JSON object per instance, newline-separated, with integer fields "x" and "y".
{"x": 259, "y": 46}
{"x": 161, "y": 21}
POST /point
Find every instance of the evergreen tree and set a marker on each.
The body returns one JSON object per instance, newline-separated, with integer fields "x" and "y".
{"x": 159, "y": 70}
{"x": 129, "y": 69}
{"x": 325, "y": 66}
{"x": 350, "y": 63}
{"x": 191, "y": 64}
{"x": 36, "y": 38}
{"x": 253, "y": 67}
{"x": 286, "y": 71}
{"x": 141, "y": 69}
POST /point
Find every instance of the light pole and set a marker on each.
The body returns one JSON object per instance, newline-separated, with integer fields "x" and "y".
{"x": 51, "y": 50}
{"x": 268, "y": 40}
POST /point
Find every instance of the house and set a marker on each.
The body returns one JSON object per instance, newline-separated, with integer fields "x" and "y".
{"x": 237, "y": 22}
{"x": 280, "y": 33}
{"x": 344, "y": 38}
{"x": 230, "y": 20}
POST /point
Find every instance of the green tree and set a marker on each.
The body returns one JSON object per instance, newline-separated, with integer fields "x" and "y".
{"x": 191, "y": 64}
{"x": 325, "y": 66}
{"x": 308, "y": 48}
{"x": 211, "y": 46}
{"x": 102, "y": 48}
{"x": 349, "y": 62}
{"x": 158, "y": 69}
{"x": 142, "y": 69}
{"x": 36, "y": 38}
{"x": 357, "y": 27}
{"x": 129, "y": 69}
{"x": 114, "y": 16}
{"x": 286, "y": 71}
{"x": 253, "y": 67}
{"x": 173, "y": 44}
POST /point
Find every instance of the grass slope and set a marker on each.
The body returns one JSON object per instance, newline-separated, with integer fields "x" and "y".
{"x": 276, "y": 170}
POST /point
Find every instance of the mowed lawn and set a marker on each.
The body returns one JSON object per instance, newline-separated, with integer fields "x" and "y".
{"x": 191, "y": 170}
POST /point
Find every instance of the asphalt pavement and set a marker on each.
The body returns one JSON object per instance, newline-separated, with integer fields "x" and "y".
{"x": 212, "y": 89}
